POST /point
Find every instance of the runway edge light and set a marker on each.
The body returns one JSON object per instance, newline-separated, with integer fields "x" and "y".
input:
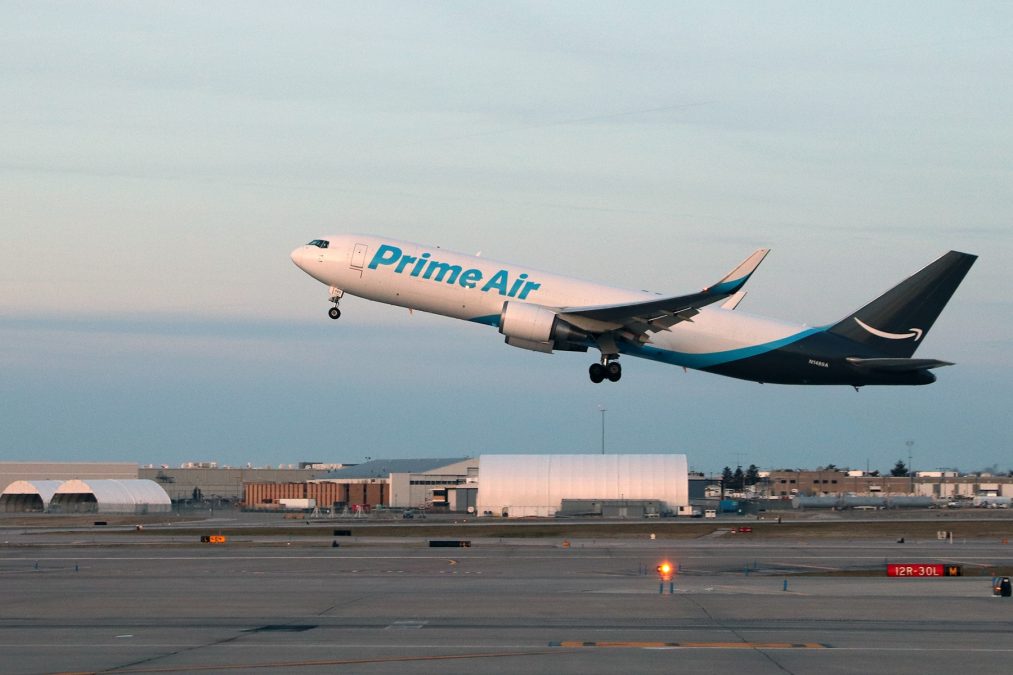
{"x": 665, "y": 570}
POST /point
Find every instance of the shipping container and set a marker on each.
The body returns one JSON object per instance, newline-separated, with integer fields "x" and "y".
{"x": 728, "y": 506}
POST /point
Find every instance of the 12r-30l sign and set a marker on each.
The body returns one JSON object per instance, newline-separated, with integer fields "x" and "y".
{"x": 922, "y": 570}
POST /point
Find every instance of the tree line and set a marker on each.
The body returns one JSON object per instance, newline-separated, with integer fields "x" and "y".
{"x": 739, "y": 479}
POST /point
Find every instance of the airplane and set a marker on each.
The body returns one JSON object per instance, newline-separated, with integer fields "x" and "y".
{"x": 546, "y": 312}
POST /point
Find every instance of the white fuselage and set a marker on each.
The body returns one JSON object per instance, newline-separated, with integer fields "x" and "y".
{"x": 432, "y": 279}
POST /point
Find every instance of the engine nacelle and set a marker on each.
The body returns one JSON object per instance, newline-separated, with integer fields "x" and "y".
{"x": 524, "y": 321}
{"x": 521, "y": 343}
{"x": 537, "y": 328}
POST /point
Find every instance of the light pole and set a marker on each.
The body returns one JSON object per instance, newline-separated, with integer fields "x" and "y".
{"x": 910, "y": 469}
{"x": 602, "y": 409}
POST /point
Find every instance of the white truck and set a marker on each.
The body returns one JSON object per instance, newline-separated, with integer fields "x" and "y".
{"x": 298, "y": 504}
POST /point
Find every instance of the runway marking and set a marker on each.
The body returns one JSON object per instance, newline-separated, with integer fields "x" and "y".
{"x": 443, "y": 645}
{"x": 407, "y": 624}
{"x": 278, "y": 665}
{"x": 695, "y": 645}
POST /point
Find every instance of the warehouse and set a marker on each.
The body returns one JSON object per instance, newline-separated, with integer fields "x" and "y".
{"x": 110, "y": 496}
{"x": 11, "y": 472}
{"x": 536, "y": 485}
{"x": 200, "y": 484}
{"x": 324, "y": 494}
{"x": 399, "y": 483}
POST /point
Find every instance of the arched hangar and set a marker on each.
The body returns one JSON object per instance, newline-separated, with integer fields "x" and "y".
{"x": 537, "y": 485}
{"x": 110, "y": 496}
{"x": 28, "y": 496}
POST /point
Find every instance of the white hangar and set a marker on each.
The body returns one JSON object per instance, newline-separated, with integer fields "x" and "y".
{"x": 28, "y": 496}
{"x": 536, "y": 485}
{"x": 128, "y": 496}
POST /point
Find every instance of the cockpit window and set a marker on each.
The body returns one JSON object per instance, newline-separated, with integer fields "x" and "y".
{"x": 319, "y": 243}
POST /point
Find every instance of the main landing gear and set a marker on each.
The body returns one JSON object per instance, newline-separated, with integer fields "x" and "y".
{"x": 607, "y": 369}
{"x": 336, "y": 294}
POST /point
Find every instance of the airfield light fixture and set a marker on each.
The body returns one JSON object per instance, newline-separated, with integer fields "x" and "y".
{"x": 665, "y": 570}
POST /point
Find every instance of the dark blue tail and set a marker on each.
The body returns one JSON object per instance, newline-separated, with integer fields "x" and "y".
{"x": 895, "y": 322}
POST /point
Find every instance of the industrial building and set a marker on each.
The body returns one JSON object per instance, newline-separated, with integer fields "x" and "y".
{"x": 324, "y": 494}
{"x": 930, "y": 484}
{"x": 34, "y": 471}
{"x": 536, "y": 485}
{"x": 399, "y": 483}
{"x": 620, "y": 486}
{"x": 496, "y": 485}
{"x": 128, "y": 496}
{"x": 209, "y": 483}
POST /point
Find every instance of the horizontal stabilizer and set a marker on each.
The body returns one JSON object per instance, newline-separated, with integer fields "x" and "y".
{"x": 897, "y": 365}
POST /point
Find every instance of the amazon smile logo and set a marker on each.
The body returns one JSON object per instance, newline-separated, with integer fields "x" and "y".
{"x": 915, "y": 333}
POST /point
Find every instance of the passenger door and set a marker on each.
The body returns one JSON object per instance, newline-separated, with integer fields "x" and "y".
{"x": 358, "y": 257}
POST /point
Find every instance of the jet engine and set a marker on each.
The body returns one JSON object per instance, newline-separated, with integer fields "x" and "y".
{"x": 539, "y": 329}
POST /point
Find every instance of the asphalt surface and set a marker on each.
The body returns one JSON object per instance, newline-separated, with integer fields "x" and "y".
{"x": 74, "y": 604}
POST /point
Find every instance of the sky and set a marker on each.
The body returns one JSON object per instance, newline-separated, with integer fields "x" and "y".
{"x": 159, "y": 161}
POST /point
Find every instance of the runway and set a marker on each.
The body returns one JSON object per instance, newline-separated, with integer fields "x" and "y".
{"x": 499, "y": 607}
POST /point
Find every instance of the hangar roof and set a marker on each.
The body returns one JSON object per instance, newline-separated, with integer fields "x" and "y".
{"x": 383, "y": 468}
{"x": 100, "y": 495}
{"x": 28, "y": 495}
{"x": 115, "y": 491}
{"x": 43, "y": 488}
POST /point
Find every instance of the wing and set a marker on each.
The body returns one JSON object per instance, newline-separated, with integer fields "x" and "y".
{"x": 657, "y": 314}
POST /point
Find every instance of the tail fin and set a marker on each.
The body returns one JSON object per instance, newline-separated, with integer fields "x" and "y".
{"x": 895, "y": 322}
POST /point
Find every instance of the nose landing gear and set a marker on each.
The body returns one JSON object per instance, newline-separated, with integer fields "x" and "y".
{"x": 336, "y": 294}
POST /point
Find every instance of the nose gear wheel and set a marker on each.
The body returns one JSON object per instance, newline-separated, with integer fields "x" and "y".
{"x": 336, "y": 294}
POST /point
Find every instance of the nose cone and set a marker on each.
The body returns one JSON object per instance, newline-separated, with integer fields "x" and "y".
{"x": 298, "y": 255}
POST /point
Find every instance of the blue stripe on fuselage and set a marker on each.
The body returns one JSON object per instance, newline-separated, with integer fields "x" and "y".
{"x": 710, "y": 359}
{"x": 705, "y": 360}
{"x": 489, "y": 320}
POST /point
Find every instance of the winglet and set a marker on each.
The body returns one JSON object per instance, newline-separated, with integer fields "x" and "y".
{"x": 661, "y": 313}
{"x": 738, "y": 277}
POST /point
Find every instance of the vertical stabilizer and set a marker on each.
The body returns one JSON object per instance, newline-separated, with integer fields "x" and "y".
{"x": 895, "y": 323}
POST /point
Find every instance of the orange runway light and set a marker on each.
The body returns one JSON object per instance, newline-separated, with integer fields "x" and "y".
{"x": 665, "y": 570}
